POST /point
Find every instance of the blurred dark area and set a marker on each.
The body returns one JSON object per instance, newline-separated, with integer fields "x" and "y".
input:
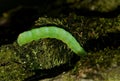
{"x": 18, "y": 22}
{"x": 21, "y": 15}
{"x": 6, "y": 5}
{"x": 112, "y": 40}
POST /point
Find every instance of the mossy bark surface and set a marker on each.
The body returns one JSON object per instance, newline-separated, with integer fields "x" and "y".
{"x": 51, "y": 58}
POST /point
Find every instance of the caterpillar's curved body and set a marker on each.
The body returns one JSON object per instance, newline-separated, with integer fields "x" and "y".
{"x": 51, "y": 32}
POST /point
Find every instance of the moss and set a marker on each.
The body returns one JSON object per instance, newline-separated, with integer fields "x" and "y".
{"x": 19, "y": 62}
{"x": 101, "y": 65}
{"x": 10, "y": 67}
{"x": 44, "y": 55}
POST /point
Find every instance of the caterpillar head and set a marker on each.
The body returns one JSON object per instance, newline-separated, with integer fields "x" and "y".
{"x": 24, "y": 38}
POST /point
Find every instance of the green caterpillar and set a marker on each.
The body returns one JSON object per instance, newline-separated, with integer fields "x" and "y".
{"x": 51, "y": 32}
